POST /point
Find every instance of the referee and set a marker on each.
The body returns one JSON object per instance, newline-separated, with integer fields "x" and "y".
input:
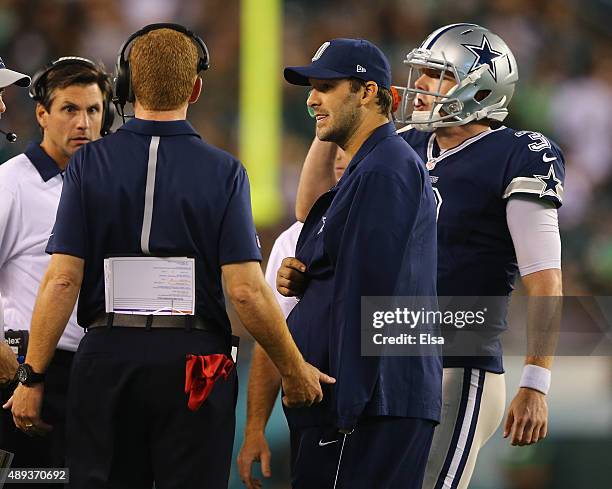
{"x": 153, "y": 393}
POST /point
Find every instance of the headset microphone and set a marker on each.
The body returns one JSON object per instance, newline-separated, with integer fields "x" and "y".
{"x": 10, "y": 136}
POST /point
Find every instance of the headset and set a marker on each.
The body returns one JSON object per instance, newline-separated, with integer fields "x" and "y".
{"x": 123, "y": 82}
{"x": 38, "y": 88}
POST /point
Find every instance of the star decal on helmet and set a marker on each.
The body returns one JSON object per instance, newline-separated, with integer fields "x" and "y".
{"x": 550, "y": 183}
{"x": 484, "y": 55}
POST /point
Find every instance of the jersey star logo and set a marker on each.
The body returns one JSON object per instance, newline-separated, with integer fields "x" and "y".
{"x": 550, "y": 183}
{"x": 484, "y": 55}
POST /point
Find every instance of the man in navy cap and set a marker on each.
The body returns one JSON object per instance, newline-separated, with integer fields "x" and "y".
{"x": 373, "y": 234}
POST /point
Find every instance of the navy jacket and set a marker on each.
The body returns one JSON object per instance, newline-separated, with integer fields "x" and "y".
{"x": 373, "y": 234}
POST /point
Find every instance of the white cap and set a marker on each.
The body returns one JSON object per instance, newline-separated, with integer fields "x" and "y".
{"x": 10, "y": 77}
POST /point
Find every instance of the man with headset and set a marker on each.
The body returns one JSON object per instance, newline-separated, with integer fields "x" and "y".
{"x": 8, "y": 362}
{"x": 72, "y": 108}
{"x": 151, "y": 218}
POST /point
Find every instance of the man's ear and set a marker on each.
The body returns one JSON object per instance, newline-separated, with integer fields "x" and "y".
{"x": 196, "y": 91}
{"x": 41, "y": 115}
{"x": 370, "y": 92}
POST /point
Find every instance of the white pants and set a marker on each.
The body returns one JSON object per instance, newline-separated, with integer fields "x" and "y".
{"x": 473, "y": 403}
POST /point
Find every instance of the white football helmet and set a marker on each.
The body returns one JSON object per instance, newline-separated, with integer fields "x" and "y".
{"x": 482, "y": 65}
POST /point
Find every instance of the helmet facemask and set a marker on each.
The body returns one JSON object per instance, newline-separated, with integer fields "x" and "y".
{"x": 444, "y": 107}
{"x": 480, "y": 63}
{"x": 448, "y": 109}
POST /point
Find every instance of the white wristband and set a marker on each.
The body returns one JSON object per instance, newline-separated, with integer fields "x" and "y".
{"x": 535, "y": 377}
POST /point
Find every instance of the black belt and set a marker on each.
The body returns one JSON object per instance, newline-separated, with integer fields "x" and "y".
{"x": 147, "y": 322}
{"x": 150, "y": 321}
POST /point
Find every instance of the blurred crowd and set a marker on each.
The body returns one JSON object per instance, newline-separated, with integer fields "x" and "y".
{"x": 563, "y": 48}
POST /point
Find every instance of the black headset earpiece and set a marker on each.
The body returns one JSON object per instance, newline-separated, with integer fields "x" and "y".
{"x": 38, "y": 87}
{"x": 122, "y": 81}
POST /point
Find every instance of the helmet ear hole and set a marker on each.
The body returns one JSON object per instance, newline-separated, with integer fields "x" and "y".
{"x": 481, "y": 95}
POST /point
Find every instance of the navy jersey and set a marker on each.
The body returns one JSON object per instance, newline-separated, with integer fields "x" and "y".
{"x": 373, "y": 234}
{"x": 201, "y": 209}
{"x": 472, "y": 183}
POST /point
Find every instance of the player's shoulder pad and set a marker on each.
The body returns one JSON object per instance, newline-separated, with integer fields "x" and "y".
{"x": 536, "y": 166}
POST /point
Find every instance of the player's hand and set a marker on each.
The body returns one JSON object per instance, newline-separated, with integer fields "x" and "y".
{"x": 304, "y": 387}
{"x": 25, "y": 405}
{"x": 527, "y": 420}
{"x": 8, "y": 363}
{"x": 254, "y": 449}
{"x": 291, "y": 278}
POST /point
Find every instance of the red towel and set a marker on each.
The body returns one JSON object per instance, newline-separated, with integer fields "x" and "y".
{"x": 201, "y": 373}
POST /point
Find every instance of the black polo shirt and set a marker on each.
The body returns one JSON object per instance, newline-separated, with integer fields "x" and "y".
{"x": 201, "y": 208}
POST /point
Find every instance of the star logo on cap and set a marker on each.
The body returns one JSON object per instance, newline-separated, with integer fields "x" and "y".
{"x": 550, "y": 183}
{"x": 484, "y": 55}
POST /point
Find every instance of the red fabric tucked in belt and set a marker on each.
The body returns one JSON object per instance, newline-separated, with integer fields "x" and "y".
{"x": 201, "y": 373}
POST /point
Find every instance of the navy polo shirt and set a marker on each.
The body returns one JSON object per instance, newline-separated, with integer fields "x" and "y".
{"x": 373, "y": 234}
{"x": 201, "y": 209}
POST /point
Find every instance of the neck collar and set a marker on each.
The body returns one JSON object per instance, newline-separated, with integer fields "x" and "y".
{"x": 44, "y": 164}
{"x": 380, "y": 133}
{"x": 159, "y": 128}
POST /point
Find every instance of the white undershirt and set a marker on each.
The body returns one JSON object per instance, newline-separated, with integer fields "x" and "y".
{"x": 284, "y": 246}
{"x": 534, "y": 228}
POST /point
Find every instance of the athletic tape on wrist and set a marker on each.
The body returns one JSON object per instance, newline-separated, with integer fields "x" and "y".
{"x": 535, "y": 377}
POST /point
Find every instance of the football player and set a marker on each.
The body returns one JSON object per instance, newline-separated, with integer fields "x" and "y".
{"x": 497, "y": 192}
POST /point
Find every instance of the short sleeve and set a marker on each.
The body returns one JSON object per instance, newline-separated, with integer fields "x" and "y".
{"x": 537, "y": 169}
{"x": 7, "y": 224}
{"x": 69, "y": 231}
{"x": 238, "y": 239}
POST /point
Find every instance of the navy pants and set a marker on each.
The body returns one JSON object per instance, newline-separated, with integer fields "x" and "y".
{"x": 382, "y": 452}
{"x": 128, "y": 421}
{"x": 49, "y": 450}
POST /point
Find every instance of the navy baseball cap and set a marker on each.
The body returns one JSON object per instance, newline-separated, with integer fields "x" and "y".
{"x": 10, "y": 77}
{"x": 344, "y": 58}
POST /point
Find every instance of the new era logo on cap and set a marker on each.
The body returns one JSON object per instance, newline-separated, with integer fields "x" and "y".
{"x": 344, "y": 58}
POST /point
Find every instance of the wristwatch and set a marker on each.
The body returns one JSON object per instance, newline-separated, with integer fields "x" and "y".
{"x": 26, "y": 375}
